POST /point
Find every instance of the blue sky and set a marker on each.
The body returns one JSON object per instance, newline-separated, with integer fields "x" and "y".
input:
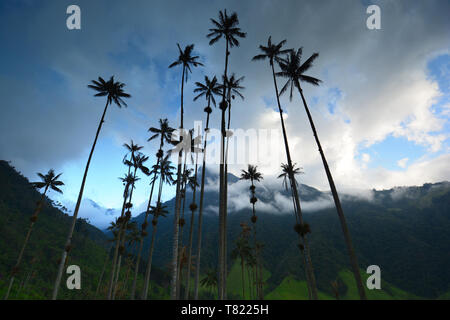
{"x": 382, "y": 110}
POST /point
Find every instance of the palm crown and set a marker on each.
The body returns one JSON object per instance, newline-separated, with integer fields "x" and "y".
{"x": 251, "y": 174}
{"x": 294, "y": 70}
{"x": 271, "y": 51}
{"x": 226, "y": 27}
{"x": 186, "y": 59}
{"x": 233, "y": 84}
{"x": 208, "y": 89}
{"x": 287, "y": 170}
{"x": 113, "y": 91}
{"x": 164, "y": 131}
{"x": 50, "y": 180}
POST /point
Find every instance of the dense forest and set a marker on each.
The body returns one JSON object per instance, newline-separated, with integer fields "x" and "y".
{"x": 403, "y": 230}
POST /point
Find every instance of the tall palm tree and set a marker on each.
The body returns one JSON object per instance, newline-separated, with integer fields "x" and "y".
{"x": 226, "y": 27}
{"x": 138, "y": 164}
{"x": 165, "y": 173}
{"x": 164, "y": 132}
{"x": 186, "y": 60}
{"x": 253, "y": 175}
{"x": 132, "y": 149}
{"x": 241, "y": 250}
{"x": 273, "y": 53}
{"x": 294, "y": 71}
{"x": 208, "y": 90}
{"x": 50, "y": 180}
{"x": 131, "y": 180}
{"x": 114, "y": 92}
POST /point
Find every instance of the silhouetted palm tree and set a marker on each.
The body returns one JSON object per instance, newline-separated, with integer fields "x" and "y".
{"x": 226, "y": 27}
{"x": 164, "y": 132}
{"x": 273, "y": 53}
{"x": 185, "y": 59}
{"x": 165, "y": 173}
{"x": 114, "y": 93}
{"x": 253, "y": 175}
{"x": 294, "y": 70}
{"x": 241, "y": 250}
{"x": 132, "y": 149}
{"x": 208, "y": 90}
{"x": 50, "y": 180}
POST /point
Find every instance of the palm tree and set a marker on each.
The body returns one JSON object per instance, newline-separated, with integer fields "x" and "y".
{"x": 232, "y": 85}
{"x": 132, "y": 149}
{"x": 114, "y": 93}
{"x": 130, "y": 180}
{"x": 50, "y": 180}
{"x": 273, "y": 53}
{"x": 253, "y": 175}
{"x": 185, "y": 59}
{"x": 165, "y": 173}
{"x": 210, "y": 280}
{"x": 208, "y": 90}
{"x": 226, "y": 27}
{"x": 294, "y": 71}
{"x": 242, "y": 250}
{"x": 164, "y": 132}
{"x": 138, "y": 163}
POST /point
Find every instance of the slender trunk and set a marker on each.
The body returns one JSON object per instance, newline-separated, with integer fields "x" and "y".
{"x": 149, "y": 264}
{"x": 337, "y": 202}
{"x": 75, "y": 213}
{"x": 103, "y": 272}
{"x": 116, "y": 249}
{"x": 141, "y": 242}
{"x": 308, "y": 268}
{"x": 124, "y": 228}
{"x": 222, "y": 249}
{"x": 181, "y": 228}
{"x": 173, "y": 282}
{"x": 27, "y": 238}
{"x": 200, "y": 212}
{"x": 191, "y": 230}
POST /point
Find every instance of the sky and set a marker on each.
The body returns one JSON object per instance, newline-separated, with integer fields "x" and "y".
{"x": 382, "y": 110}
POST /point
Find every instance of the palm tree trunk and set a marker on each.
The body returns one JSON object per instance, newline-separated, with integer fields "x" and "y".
{"x": 181, "y": 228}
{"x": 27, "y": 238}
{"x": 122, "y": 244}
{"x": 173, "y": 283}
{"x": 141, "y": 242}
{"x": 200, "y": 212}
{"x": 116, "y": 249}
{"x": 75, "y": 213}
{"x": 337, "y": 202}
{"x": 191, "y": 231}
{"x": 222, "y": 250}
{"x": 308, "y": 267}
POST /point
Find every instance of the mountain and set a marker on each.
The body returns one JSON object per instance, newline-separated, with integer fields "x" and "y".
{"x": 403, "y": 230}
{"x": 39, "y": 265}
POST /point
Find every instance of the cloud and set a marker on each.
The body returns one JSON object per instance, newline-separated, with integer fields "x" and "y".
{"x": 376, "y": 81}
{"x": 402, "y": 162}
